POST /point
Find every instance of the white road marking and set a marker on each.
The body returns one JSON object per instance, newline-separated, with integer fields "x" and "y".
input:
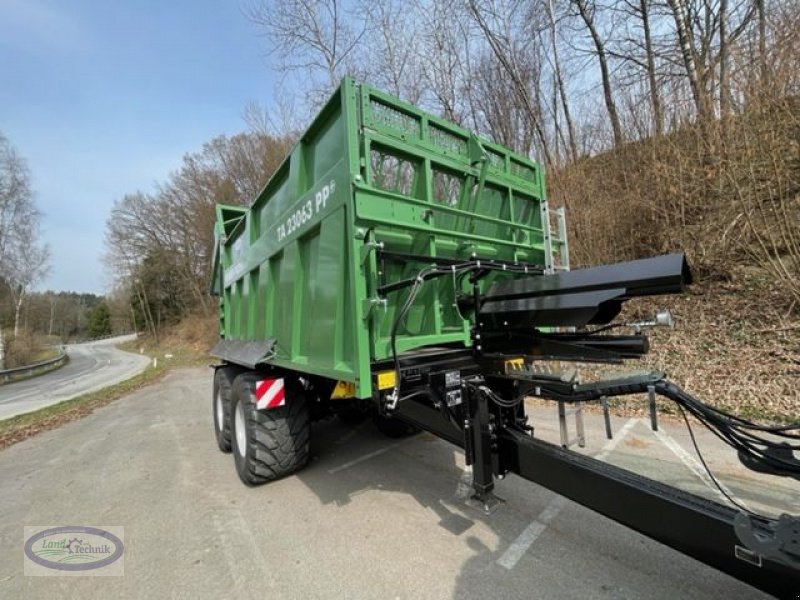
{"x": 519, "y": 546}
{"x": 525, "y": 540}
{"x": 695, "y": 466}
{"x": 361, "y": 459}
{"x": 612, "y": 443}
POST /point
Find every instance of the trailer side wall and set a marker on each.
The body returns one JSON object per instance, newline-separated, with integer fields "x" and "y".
{"x": 301, "y": 267}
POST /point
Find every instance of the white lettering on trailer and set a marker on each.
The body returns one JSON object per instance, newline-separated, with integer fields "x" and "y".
{"x": 309, "y": 210}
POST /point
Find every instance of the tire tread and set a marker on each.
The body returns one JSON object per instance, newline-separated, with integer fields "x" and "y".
{"x": 278, "y": 438}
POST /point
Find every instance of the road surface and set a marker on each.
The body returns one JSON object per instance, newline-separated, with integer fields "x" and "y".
{"x": 368, "y": 518}
{"x": 91, "y": 366}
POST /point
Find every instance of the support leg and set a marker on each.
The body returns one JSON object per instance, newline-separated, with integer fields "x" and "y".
{"x": 483, "y": 459}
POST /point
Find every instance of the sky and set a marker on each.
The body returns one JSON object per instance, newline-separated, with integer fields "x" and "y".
{"x": 104, "y": 98}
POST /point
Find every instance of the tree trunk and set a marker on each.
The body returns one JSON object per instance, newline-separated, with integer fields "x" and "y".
{"x": 602, "y": 57}
{"x": 655, "y": 100}
{"x": 557, "y": 133}
{"x": 688, "y": 54}
{"x": 723, "y": 61}
{"x": 519, "y": 85}
{"x": 52, "y": 317}
{"x": 560, "y": 83}
{"x": 18, "y": 310}
{"x": 762, "y": 43}
{"x": 133, "y": 318}
{"x": 148, "y": 315}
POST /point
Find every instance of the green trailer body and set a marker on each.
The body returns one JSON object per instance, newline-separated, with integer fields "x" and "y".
{"x": 298, "y": 274}
{"x": 397, "y": 266}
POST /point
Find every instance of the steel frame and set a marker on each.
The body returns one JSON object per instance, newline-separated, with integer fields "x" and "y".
{"x": 496, "y": 442}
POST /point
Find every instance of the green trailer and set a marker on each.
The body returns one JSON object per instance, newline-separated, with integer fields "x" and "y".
{"x": 400, "y": 267}
{"x": 299, "y": 272}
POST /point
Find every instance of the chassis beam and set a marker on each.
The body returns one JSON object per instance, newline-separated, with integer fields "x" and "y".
{"x": 700, "y": 528}
{"x": 495, "y": 443}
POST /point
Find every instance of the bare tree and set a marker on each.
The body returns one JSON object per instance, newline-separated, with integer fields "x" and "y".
{"x": 724, "y": 92}
{"x": 281, "y": 122}
{"x": 689, "y": 55}
{"x": 762, "y": 40}
{"x": 655, "y": 97}
{"x": 559, "y": 80}
{"x": 705, "y": 32}
{"x": 587, "y": 11}
{"x": 23, "y": 261}
{"x": 28, "y": 265}
{"x": 310, "y": 36}
{"x": 512, "y": 50}
{"x": 641, "y": 12}
{"x": 498, "y": 113}
{"x": 160, "y": 245}
{"x": 16, "y": 201}
{"x": 442, "y": 44}
{"x": 394, "y": 47}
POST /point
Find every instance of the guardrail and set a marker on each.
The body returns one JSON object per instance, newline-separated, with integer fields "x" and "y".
{"x": 26, "y": 371}
{"x": 104, "y": 337}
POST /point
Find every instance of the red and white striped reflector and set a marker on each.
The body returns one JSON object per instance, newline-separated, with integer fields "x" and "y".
{"x": 269, "y": 394}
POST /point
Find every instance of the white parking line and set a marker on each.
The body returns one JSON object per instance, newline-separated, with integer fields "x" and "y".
{"x": 519, "y": 546}
{"x": 612, "y": 443}
{"x": 695, "y": 467}
{"x": 361, "y": 459}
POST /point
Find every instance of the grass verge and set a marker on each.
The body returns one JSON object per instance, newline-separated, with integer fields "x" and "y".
{"x": 22, "y": 427}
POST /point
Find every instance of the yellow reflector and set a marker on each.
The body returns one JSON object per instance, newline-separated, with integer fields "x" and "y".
{"x": 343, "y": 389}
{"x": 386, "y": 380}
{"x": 515, "y": 364}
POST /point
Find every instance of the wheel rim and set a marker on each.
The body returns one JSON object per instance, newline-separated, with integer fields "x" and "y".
{"x": 218, "y": 408}
{"x": 241, "y": 434}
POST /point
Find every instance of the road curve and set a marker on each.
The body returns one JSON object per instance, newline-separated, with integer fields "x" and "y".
{"x": 91, "y": 366}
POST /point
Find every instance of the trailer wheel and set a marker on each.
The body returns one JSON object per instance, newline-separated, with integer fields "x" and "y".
{"x": 393, "y": 427}
{"x": 272, "y": 443}
{"x": 221, "y": 405}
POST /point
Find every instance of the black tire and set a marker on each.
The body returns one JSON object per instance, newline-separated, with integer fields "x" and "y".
{"x": 221, "y": 405}
{"x": 393, "y": 427}
{"x": 276, "y": 440}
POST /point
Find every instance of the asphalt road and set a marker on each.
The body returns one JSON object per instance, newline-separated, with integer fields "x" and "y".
{"x": 91, "y": 366}
{"x": 368, "y": 518}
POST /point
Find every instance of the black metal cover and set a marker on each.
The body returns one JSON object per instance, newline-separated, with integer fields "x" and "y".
{"x": 584, "y": 296}
{"x": 247, "y": 354}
